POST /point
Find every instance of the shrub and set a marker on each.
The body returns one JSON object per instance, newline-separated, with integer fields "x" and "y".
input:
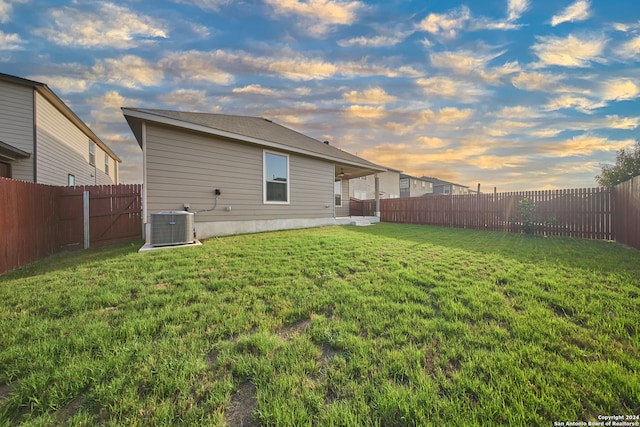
{"x": 529, "y": 223}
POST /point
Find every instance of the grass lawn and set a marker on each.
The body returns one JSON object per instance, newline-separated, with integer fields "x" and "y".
{"x": 385, "y": 325}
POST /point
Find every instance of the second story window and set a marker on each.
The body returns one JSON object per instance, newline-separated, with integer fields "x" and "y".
{"x": 106, "y": 163}
{"x": 92, "y": 153}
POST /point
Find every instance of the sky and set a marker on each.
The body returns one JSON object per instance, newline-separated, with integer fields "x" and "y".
{"x": 512, "y": 94}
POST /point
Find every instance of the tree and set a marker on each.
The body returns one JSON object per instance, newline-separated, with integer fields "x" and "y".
{"x": 627, "y": 166}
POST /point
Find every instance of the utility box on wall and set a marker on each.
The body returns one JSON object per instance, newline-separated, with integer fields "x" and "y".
{"x": 172, "y": 228}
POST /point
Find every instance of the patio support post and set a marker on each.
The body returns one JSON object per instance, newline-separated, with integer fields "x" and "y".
{"x": 377, "y": 180}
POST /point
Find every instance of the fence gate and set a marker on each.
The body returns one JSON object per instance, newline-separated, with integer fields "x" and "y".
{"x": 114, "y": 215}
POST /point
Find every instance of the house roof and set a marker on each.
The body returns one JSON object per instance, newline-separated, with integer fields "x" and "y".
{"x": 437, "y": 182}
{"x": 50, "y": 96}
{"x": 404, "y": 175}
{"x": 254, "y": 130}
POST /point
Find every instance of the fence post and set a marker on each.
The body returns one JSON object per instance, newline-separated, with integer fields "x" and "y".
{"x": 85, "y": 208}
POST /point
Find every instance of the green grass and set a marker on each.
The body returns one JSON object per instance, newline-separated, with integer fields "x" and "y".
{"x": 384, "y": 325}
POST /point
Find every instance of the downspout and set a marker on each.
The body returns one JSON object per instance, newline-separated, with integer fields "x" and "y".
{"x": 377, "y": 180}
{"x": 145, "y": 223}
{"x": 35, "y": 137}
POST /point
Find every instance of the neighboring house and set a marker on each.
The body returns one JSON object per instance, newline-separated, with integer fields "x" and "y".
{"x": 446, "y": 187}
{"x": 364, "y": 188}
{"x": 268, "y": 177}
{"x": 43, "y": 141}
{"x": 411, "y": 186}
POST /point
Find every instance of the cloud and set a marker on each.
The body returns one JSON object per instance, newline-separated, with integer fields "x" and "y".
{"x": 516, "y": 8}
{"x": 446, "y": 25}
{"x": 466, "y": 62}
{"x": 578, "y": 102}
{"x": 581, "y": 145}
{"x": 571, "y": 51}
{"x": 318, "y": 17}
{"x": 620, "y": 90}
{"x": 446, "y": 87}
{"x": 127, "y": 71}
{"x": 188, "y": 100}
{"x": 220, "y": 66}
{"x": 106, "y": 108}
{"x": 578, "y": 11}
{"x": 448, "y": 116}
{"x": 545, "y": 133}
{"x": 536, "y": 81}
{"x": 365, "y": 111}
{"x": 495, "y": 162}
{"x": 213, "y": 5}
{"x": 432, "y": 142}
{"x": 63, "y": 84}
{"x": 254, "y": 89}
{"x": 375, "y": 41}
{"x": 375, "y": 95}
{"x": 195, "y": 65}
{"x": 6, "y": 7}
{"x": 517, "y": 112}
{"x": 10, "y": 41}
{"x": 110, "y": 26}
{"x": 630, "y": 49}
{"x": 616, "y": 122}
{"x": 462, "y": 61}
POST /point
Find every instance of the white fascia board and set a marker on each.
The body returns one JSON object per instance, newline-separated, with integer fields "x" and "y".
{"x": 212, "y": 131}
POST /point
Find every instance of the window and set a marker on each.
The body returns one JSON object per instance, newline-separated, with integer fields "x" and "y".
{"x": 404, "y": 183}
{"x": 71, "y": 180}
{"x": 276, "y": 178}
{"x": 337, "y": 191}
{"x": 92, "y": 153}
{"x": 106, "y": 163}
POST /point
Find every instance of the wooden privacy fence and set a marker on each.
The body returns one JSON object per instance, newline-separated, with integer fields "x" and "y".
{"x": 359, "y": 207}
{"x": 626, "y": 213}
{"x": 39, "y": 220}
{"x": 590, "y": 213}
{"x": 584, "y": 213}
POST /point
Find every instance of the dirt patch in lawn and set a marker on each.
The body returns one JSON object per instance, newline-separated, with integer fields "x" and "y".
{"x": 243, "y": 403}
{"x": 293, "y": 330}
{"x": 5, "y": 390}
{"x": 64, "y": 414}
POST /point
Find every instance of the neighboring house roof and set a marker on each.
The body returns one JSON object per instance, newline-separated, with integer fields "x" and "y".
{"x": 48, "y": 94}
{"x": 438, "y": 182}
{"x": 255, "y": 130}
{"x": 404, "y": 175}
{"x": 12, "y": 153}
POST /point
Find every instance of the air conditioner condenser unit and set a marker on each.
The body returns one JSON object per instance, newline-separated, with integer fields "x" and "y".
{"x": 172, "y": 228}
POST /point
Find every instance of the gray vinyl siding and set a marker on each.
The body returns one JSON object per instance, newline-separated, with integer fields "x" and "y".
{"x": 63, "y": 149}
{"x": 186, "y": 167}
{"x": 16, "y": 125}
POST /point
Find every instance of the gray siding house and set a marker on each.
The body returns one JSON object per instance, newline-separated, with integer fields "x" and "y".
{"x": 43, "y": 141}
{"x": 411, "y": 186}
{"x": 445, "y": 187}
{"x": 240, "y": 174}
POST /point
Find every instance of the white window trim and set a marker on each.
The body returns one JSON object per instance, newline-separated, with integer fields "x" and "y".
{"x": 92, "y": 152}
{"x": 264, "y": 178}
{"x": 106, "y": 163}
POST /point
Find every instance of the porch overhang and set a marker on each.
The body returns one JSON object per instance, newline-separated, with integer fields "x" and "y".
{"x": 11, "y": 153}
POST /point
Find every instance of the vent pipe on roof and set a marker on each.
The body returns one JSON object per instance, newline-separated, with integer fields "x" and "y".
{"x": 326, "y": 142}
